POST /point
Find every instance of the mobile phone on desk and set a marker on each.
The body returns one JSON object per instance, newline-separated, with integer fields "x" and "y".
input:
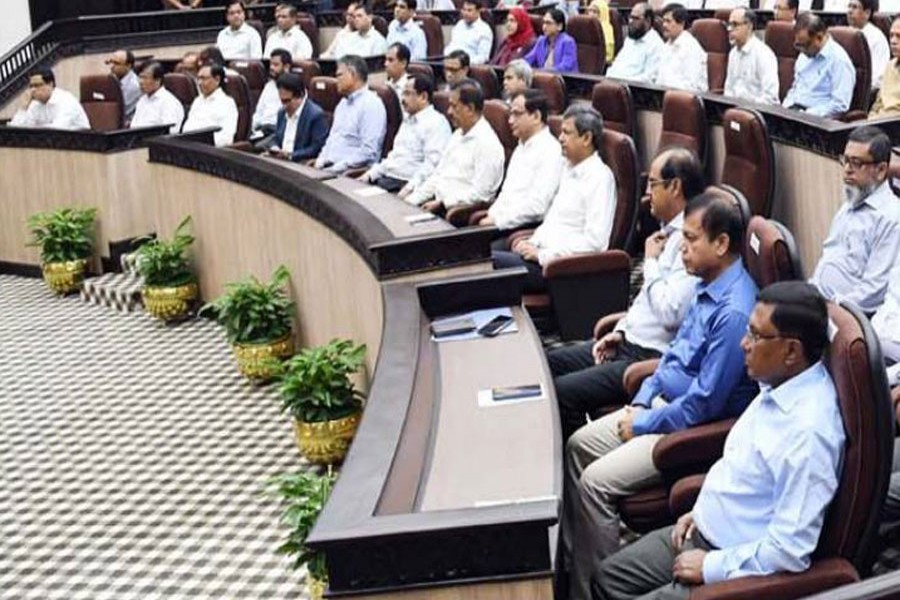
{"x": 495, "y": 325}
{"x": 516, "y": 392}
{"x": 450, "y": 327}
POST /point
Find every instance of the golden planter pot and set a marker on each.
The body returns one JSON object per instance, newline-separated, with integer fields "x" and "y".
{"x": 64, "y": 277}
{"x": 315, "y": 587}
{"x": 262, "y": 361}
{"x": 326, "y": 442}
{"x": 169, "y": 302}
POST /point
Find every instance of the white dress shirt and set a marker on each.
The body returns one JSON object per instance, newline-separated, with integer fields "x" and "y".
{"x": 160, "y": 108}
{"x": 430, "y": 5}
{"x": 886, "y": 321}
{"x": 370, "y": 44}
{"x": 682, "y": 64}
{"x": 474, "y": 39}
{"x": 753, "y": 72}
{"x": 267, "y": 106}
{"x": 337, "y": 42}
{"x": 290, "y": 128}
{"x": 131, "y": 92}
{"x": 581, "y": 216}
{"x": 638, "y": 60}
{"x": 293, "y": 40}
{"x": 470, "y": 171}
{"x": 889, "y": 6}
{"x": 398, "y": 85}
{"x": 215, "y": 110}
{"x": 532, "y": 179}
{"x": 836, "y": 6}
{"x": 243, "y": 43}
{"x": 878, "y": 50}
{"x": 417, "y": 150}
{"x": 61, "y": 111}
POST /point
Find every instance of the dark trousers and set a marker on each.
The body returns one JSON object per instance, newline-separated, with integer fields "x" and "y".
{"x": 389, "y": 184}
{"x": 890, "y": 513}
{"x": 584, "y": 388}
{"x": 534, "y": 281}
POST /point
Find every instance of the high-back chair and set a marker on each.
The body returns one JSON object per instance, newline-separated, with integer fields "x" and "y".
{"x": 554, "y": 87}
{"x": 589, "y": 40}
{"x": 749, "y": 158}
{"x": 256, "y": 75}
{"x": 323, "y": 91}
{"x": 101, "y": 98}
{"x": 421, "y": 69}
{"x": 854, "y": 42}
{"x": 487, "y": 77}
{"x": 307, "y": 69}
{"x": 394, "y": 114}
{"x": 613, "y": 100}
{"x": 683, "y": 122}
{"x": 434, "y": 35}
{"x": 780, "y": 38}
{"x": 236, "y": 87}
{"x": 308, "y": 25}
{"x": 182, "y": 87}
{"x": 713, "y": 36}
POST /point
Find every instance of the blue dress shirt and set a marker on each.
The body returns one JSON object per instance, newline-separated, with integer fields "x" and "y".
{"x": 357, "y": 132}
{"x": 565, "y": 53}
{"x": 763, "y": 503}
{"x": 824, "y": 83}
{"x": 409, "y": 34}
{"x": 702, "y": 374}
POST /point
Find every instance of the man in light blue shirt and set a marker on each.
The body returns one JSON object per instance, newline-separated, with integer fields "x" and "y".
{"x": 405, "y": 30}
{"x": 762, "y": 505}
{"x": 359, "y": 124}
{"x": 471, "y": 34}
{"x": 824, "y": 76}
{"x": 638, "y": 59}
{"x": 864, "y": 239}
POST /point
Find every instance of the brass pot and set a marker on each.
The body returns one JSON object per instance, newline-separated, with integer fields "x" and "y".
{"x": 261, "y": 361}
{"x": 64, "y": 277}
{"x": 326, "y": 442}
{"x": 169, "y": 302}
{"x": 316, "y": 587}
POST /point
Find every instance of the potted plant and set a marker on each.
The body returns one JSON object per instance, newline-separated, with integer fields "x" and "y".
{"x": 316, "y": 389}
{"x": 65, "y": 237}
{"x": 170, "y": 287}
{"x": 257, "y": 319}
{"x": 303, "y": 496}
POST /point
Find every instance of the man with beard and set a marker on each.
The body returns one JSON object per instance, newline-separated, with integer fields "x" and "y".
{"x": 268, "y": 105}
{"x": 752, "y": 66}
{"x": 862, "y": 244}
{"x": 639, "y": 57}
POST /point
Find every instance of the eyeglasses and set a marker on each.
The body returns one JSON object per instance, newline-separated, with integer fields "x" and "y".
{"x": 651, "y": 183}
{"x": 853, "y": 162}
{"x": 734, "y": 24}
{"x": 517, "y": 113}
{"x": 755, "y": 336}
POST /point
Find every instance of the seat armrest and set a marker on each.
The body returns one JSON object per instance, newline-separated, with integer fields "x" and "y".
{"x": 854, "y": 115}
{"x": 459, "y": 216}
{"x": 355, "y": 172}
{"x": 695, "y": 446}
{"x": 477, "y": 216}
{"x": 587, "y": 263}
{"x": 608, "y": 323}
{"x": 243, "y": 147}
{"x": 684, "y": 494}
{"x": 822, "y": 575}
{"x": 636, "y": 373}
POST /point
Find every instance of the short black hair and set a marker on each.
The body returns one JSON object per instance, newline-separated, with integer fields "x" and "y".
{"x": 558, "y": 16}
{"x": 587, "y": 119}
{"x": 649, "y": 13}
{"x": 476, "y": 3}
{"x": 535, "y": 101}
{"x": 719, "y": 216}
{"x": 462, "y": 56}
{"x": 811, "y": 23}
{"x": 794, "y": 5}
{"x": 292, "y": 10}
{"x": 749, "y": 15}
{"x": 364, "y": 6}
{"x": 423, "y": 84}
{"x": 470, "y": 93}
{"x": 282, "y": 54}
{"x": 799, "y": 311}
{"x": 45, "y": 73}
{"x": 211, "y": 55}
{"x": 231, "y": 3}
{"x": 217, "y": 70}
{"x": 869, "y": 5}
{"x": 129, "y": 57}
{"x": 682, "y": 164}
{"x": 403, "y": 54}
{"x": 678, "y": 11}
{"x": 357, "y": 64}
{"x": 155, "y": 69}
{"x": 291, "y": 82}
{"x": 877, "y": 140}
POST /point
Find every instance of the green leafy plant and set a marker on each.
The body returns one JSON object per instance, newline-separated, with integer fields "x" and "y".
{"x": 165, "y": 262}
{"x": 316, "y": 385}
{"x": 64, "y": 234}
{"x": 253, "y": 311}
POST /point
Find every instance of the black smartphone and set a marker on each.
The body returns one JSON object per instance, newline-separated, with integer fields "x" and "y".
{"x": 495, "y": 325}
{"x": 499, "y": 394}
{"x": 452, "y": 327}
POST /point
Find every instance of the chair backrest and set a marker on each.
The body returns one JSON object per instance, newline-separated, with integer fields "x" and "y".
{"x": 854, "y": 42}
{"x": 256, "y": 75}
{"x": 683, "y": 122}
{"x": 588, "y": 38}
{"x": 380, "y": 24}
{"x": 434, "y": 33}
{"x": 894, "y": 170}
{"x": 713, "y": 36}
{"x": 308, "y": 26}
{"x": 421, "y": 69}
{"x": 883, "y": 22}
{"x": 259, "y": 27}
{"x": 620, "y": 154}
{"x": 537, "y": 23}
{"x": 554, "y": 87}
{"x": 182, "y": 87}
{"x": 722, "y": 14}
{"x": 613, "y": 100}
{"x": 618, "y": 24}
{"x": 236, "y": 87}
{"x": 780, "y": 38}
{"x": 394, "y": 114}
{"x": 441, "y": 101}
{"x": 497, "y": 114}
{"x": 749, "y": 158}
{"x": 487, "y": 77}
{"x": 101, "y": 98}
{"x": 307, "y": 69}
{"x": 323, "y": 91}
{"x": 770, "y": 252}
{"x": 734, "y": 196}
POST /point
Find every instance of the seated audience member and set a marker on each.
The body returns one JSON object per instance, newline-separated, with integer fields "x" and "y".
{"x": 288, "y": 35}
{"x": 432, "y": 5}
{"x": 302, "y": 126}
{"x": 786, "y": 10}
{"x": 517, "y": 77}
{"x": 456, "y": 67}
{"x": 157, "y": 105}
{"x": 888, "y": 100}
{"x": 555, "y": 50}
{"x": 588, "y": 376}
{"x": 365, "y": 40}
{"x": 762, "y": 506}
{"x": 343, "y": 33}
{"x": 581, "y": 215}
{"x": 599, "y": 10}
{"x": 405, "y": 30}
{"x": 213, "y": 56}
{"x": 269, "y": 104}
{"x": 471, "y": 34}
{"x": 239, "y": 41}
{"x": 519, "y": 37}
{"x": 213, "y": 107}
{"x": 189, "y": 64}
{"x": 859, "y": 16}
{"x": 419, "y": 144}
{"x": 48, "y": 106}
{"x": 534, "y": 168}
{"x": 638, "y": 60}
{"x": 181, "y": 5}
{"x": 862, "y": 244}
{"x": 752, "y": 66}
{"x": 823, "y": 74}
{"x": 359, "y": 124}
{"x": 700, "y": 379}
{"x": 396, "y": 60}
{"x": 121, "y": 65}
{"x": 471, "y": 168}
{"x": 682, "y": 61}
{"x": 886, "y": 323}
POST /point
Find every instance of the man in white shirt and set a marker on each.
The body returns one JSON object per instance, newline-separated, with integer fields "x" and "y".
{"x": 365, "y": 41}
{"x": 752, "y": 66}
{"x": 407, "y": 31}
{"x": 859, "y": 16}
{"x": 517, "y": 77}
{"x": 534, "y": 168}
{"x": 288, "y": 35}
{"x": 419, "y": 144}
{"x": 787, "y": 10}
{"x": 269, "y": 103}
{"x": 239, "y": 41}
{"x": 581, "y": 215}
{"x": 121, "y": 65}
{"x": 346, "y": 31}
{"x": 471, "y": 169}
{"x": 471, "y": 34}
{"x": 157, "y": 105}
{"x": 213, "y": 107}
{"x": 638, "y": 60}
{"x": 48, "y": 106}
{"x": 396, "y": 59}
{"x": 682, "y": 63}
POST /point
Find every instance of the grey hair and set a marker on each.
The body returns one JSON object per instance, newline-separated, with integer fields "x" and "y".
{"x": 522, "y": 70}
{"x": 587, "y": 119}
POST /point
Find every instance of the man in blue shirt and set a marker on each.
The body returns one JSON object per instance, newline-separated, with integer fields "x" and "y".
{"x": 762, "y": 505}
{"x": 405, "y": 30}
{"x": 824, "y": 75}
{"x": 701, "y": 378}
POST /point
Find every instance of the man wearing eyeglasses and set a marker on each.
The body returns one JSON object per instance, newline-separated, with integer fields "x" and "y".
{"x": 786, "y": 10}
{"x": 859, "y": 16}
{"x": 301, "y": 127}
{"x": 752, "y": 66}
{"x": 638, "y": 59}
{"x": 862, "y": 244}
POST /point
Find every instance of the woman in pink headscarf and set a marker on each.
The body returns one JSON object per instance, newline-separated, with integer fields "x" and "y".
{"x": 519, "y": 37}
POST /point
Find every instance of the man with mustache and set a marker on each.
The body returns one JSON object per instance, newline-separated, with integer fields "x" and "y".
{"x": 639, "y": 57}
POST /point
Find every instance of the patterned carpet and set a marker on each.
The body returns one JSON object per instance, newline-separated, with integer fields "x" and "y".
{"x": 133, "y": 458}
